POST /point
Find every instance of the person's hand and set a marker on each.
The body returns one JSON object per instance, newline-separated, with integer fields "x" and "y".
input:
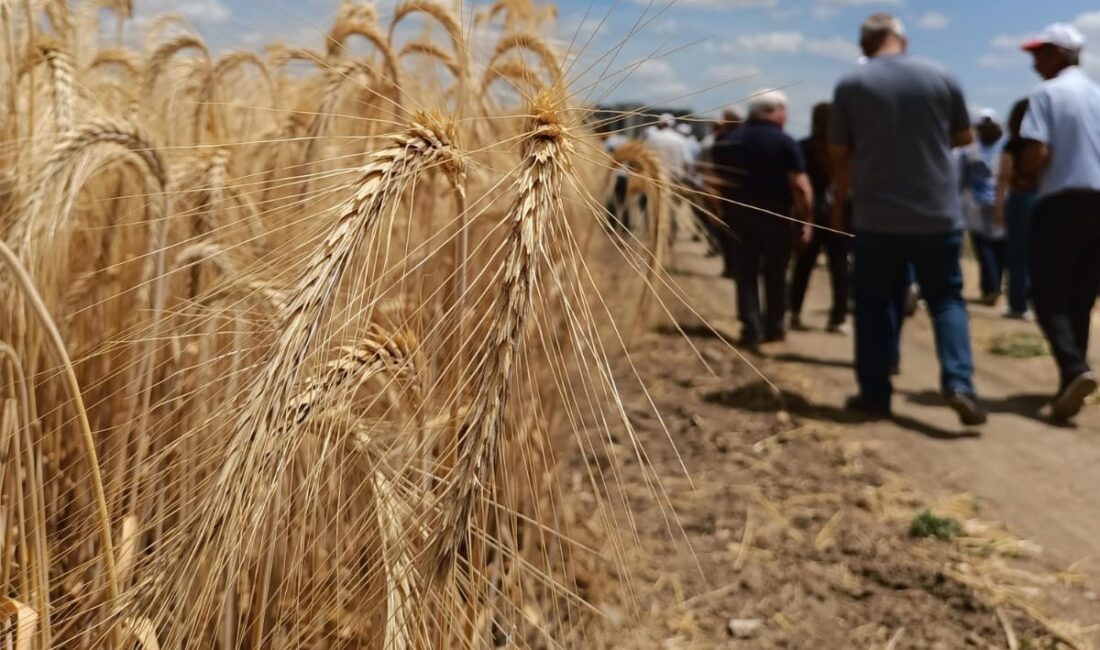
{"x": 806, "y": 234}
{"x": 999, "y": 216}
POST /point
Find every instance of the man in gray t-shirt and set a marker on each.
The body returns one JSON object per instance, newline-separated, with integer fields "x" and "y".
{"x": 893, "y": 125}
{"x": 898, "y": 116}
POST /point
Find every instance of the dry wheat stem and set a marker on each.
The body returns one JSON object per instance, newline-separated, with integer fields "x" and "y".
{"x": 261, "y": 438}
{"x": 538, "y": 186}
{"x": 57, "y": 345}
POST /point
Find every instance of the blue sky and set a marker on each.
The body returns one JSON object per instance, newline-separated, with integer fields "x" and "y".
{"x": 688, "y": 46}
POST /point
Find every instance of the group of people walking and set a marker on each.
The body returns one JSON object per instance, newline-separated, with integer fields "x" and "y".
{"x": 893, "y": 173}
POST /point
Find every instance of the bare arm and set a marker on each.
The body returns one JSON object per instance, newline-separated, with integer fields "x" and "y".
{"x": 842, "y": 183}
{"x": 803, "y": 195}
{"x": 962, "y": 138}
{"x": 1035, "y": 158}
{"x": 1004, "y": 179}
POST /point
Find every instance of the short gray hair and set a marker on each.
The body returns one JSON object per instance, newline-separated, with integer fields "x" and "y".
{"x": 877, "y": 27}
{"x": 766, "y": 101}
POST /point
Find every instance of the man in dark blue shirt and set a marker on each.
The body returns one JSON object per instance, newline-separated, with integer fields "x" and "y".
{"x": 763, "y": 181}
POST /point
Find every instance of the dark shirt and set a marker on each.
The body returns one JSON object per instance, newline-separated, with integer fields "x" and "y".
{"x": 897, "y": 115}
{"x": 755, "y": 163}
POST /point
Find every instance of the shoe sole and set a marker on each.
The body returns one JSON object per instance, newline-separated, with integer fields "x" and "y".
{"x": 1072, "y": 400}
{"x": 967, "y": 409}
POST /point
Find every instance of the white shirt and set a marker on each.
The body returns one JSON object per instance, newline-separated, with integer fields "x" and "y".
{"x": 614, "y": 141}
{"x": 669, "y": 147}
{"x": 1065, "y": 115}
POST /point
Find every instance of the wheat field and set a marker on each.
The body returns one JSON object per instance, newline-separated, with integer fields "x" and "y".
{"x": 295, "y": 338}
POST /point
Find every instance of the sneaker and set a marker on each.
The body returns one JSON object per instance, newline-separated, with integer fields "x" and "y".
{"x": 966, "y": 406}
{"x": 775, "y": 337}
{"x": 749, "y": 341}
{"x": 863, "y": 406}
{"x": 990, "y": 299}
{"x": 797, "y": 324}
{"x": 837, "y": 328}
{"x": 912, "y": 299}
{"x": 1068, "y": 403}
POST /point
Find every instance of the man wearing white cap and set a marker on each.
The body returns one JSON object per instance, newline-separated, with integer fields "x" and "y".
{"x": 1063, "y": 130}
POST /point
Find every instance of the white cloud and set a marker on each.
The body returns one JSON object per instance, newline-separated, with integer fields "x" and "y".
{"x": 826, "y": 8}
{"x": 834, "y": 48}
{"x": 659, "y": 79}
{"x": 789, "y": 13}
{"x": 999, "y": 60}
{"x": 721, "y": 5}
{"x": 1089, "y": 24}
{"x": 934, "y": 20}
{"x": 730, "y": 71}
{"x": 200, "y": 12}
{"x": 789, "y": 42}
{"x": 1010, "y": 41}
{"x": 581, "y": 28}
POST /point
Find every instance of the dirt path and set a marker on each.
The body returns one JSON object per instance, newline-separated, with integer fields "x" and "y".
{"x": 794, "y": 524}
{"x": 1042, "y": 479}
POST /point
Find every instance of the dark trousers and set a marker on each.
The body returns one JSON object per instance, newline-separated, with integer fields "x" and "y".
{"x": 836, "y": 248}
{"x": 990, "y": 252}
{"x": 761, "y": 244}
{"x": 1018, "y": 210}
{"x": 1065, "y": 274}
{"x": 881, "y": 268}
{"x": 616, "y": 206}
{"x": 899, "y": 311}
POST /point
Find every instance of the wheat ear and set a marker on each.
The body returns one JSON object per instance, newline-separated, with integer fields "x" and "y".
{"x": 538, "y": 188}
{"x": 262, "y": 442}
{"x": 655, "y": 177}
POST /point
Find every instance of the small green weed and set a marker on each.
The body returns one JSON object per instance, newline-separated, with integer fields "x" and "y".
{"x": 1018, "y": 345}
{"x": 927, "y": 524}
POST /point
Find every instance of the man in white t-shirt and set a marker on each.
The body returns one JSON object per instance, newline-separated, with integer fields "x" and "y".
{"x": 1062, "y": 128}
{"x": 669, "y": 147}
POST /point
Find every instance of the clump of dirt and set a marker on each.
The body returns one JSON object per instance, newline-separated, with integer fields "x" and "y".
{"x": 786, "y": 533}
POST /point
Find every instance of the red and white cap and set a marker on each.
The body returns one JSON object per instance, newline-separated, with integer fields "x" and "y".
{"x": 1061, "y": 35}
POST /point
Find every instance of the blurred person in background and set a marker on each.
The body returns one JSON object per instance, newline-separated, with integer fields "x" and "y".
{"x": 980, "y": 163}
{"x": 669, "y": 147}
{"x": 692, "y": 147}
{"x": 892, "y": 127}
{"x": 815, "y": 151}
{"x": 1016, "y": 197}
{"x": 763, "y": 181}
{"x": 1062, "y": 127}
{"x": 729, "y": 122}
{"x": 618, "y": 215}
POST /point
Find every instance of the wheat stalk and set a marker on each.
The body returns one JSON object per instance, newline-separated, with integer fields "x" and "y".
{"x": 261, "y": 441}
{"x": 57, "y": 346}
{"x": 546, "y": 151}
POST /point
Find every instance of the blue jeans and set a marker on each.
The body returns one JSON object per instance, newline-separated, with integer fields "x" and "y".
{"x": 1018, "y": 211}
{"x": 881, "y": 263}
{"x": 990, "y": 252}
